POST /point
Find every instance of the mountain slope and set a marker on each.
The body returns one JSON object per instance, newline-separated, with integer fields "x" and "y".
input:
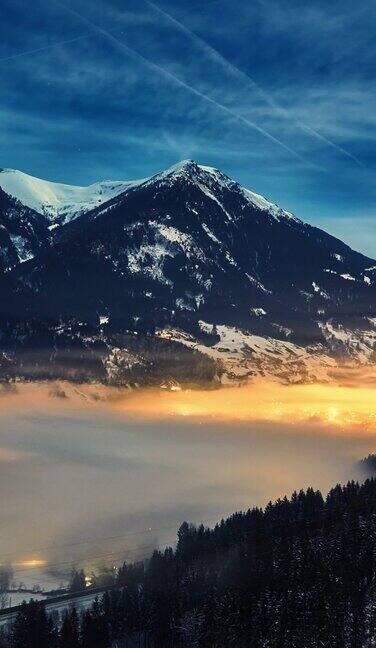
{"x": 190, "y": 250}
{"x": 60, "y": 202}
{"x": 23, "y": 232}
{"x": 201, "y": 246}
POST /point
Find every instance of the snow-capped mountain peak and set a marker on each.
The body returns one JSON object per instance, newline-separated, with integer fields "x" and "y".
{"x": 192, "y": 170}
{"x": 212, "y": 180}
{"x": 62, "y": 202}
{"x": 59, "y": 202}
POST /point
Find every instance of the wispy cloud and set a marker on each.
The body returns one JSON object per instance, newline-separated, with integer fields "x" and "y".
{"x": 182, "y": 84}
{"x": 251, "y": 83}
{"x": 261, "y": 90}
{"x": 45, "y": 48}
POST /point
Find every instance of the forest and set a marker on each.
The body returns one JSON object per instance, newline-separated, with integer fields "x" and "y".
{"x": 299, "y": 573}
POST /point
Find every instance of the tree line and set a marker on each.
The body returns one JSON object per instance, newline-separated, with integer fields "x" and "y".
{"x": 299, "y": 573}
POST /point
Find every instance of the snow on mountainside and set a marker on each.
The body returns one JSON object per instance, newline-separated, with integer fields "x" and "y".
{"x": 206, "y": 176}
{"x": 23, "y": 232}
{"x": 63, "y": 202}
{"x": 59, "y": 201}
{"x": 240, "y": 356}
{"x": 167, "y": 254}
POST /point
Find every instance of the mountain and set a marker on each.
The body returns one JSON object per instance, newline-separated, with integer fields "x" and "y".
{"x": 189, "y": 258}
{"x": 59, "y": 202}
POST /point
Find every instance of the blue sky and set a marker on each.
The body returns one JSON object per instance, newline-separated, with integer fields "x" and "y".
{"x": 279, "y": 94}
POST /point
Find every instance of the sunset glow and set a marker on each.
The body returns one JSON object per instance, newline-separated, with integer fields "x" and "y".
{"x": 343, "y": 404}
{"x": 336, "y": 405}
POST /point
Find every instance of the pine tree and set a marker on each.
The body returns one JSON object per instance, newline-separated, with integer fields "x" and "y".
{"x": 94, "y": 629}
{"x": 77, "y": 581}
{"x": 32, "y": 628}
{"x": 69, "y": 633}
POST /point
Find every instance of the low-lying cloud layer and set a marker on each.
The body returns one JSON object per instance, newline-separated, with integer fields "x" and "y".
{"x": 102, "y": 475}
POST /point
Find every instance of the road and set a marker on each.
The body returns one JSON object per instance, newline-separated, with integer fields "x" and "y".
{"x": 81, "y": 600}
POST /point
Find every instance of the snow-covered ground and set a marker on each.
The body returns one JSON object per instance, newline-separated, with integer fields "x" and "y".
{"x": 14, "y": 598}
{"x": 81, "y": 604}
{"x": 357, "y": 344}
{"x": 241, "y": 356}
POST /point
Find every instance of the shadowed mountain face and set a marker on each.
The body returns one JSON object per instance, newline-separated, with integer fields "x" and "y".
{"x": 185, "y": 247}
{"x": 23, "y": 232}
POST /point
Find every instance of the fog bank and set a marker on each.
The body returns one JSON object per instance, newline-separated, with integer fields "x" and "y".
{"x": 91, "y": 476}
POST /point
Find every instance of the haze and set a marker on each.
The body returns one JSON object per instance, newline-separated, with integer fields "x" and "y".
{"x": 98, "y": 475}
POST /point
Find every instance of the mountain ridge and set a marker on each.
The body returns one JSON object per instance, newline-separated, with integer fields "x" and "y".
{"x": 58, "y": 201}
{"x": 189, "y": 251}
{"x": 52, "y": 198}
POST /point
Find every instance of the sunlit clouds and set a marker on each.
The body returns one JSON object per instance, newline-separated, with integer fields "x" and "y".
{"x": 348, "y": 402}
{"x": 336, "y": 405}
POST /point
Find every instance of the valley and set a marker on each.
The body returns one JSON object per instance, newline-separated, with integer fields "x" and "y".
{"x": 112, "y": 472}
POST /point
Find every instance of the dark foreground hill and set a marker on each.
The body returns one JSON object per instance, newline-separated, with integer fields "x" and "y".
{"x": 299, "y": 573}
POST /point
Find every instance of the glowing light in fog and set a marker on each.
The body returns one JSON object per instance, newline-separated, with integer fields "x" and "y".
{"x": 31, "y": 563}
{"x": 338, "y": 405}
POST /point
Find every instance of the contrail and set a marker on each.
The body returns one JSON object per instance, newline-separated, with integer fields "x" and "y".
{"x": 46, "y": 47}
{"x": 172, "y": 77}
{"x": 219, "y": 58}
